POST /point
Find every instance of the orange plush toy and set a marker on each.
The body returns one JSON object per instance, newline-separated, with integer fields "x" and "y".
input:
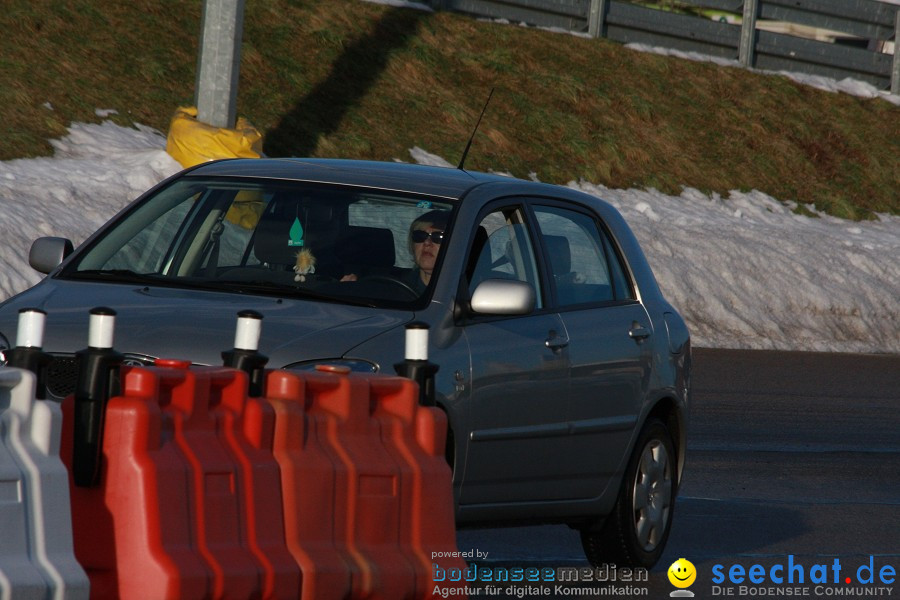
{"x": 306, "y": 265}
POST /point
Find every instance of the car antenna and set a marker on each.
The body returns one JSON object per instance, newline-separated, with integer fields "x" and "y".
{"x": 469, "y": 145}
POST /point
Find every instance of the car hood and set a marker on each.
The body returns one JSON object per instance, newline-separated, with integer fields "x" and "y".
{"x": 197, "y": 325}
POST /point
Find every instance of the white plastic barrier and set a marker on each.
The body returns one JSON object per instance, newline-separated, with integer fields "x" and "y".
{"x": 37, "y": 559}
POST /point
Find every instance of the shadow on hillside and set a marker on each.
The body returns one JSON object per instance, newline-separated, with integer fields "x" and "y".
{"x": 352, "y": 74}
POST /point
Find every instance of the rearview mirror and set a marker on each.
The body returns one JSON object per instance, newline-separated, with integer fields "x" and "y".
{"x": 503, "y": 297}
{"x": 48, "y": 252}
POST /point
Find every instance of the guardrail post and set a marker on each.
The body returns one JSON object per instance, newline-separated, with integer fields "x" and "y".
{"x": 597, "y": 18}
{"x": 748, "y": 32}
{"x": 245, "y": 355}
{"x": 98, "y": 381}
{"x": 219, "y": 62}
{"x": 895, "y": 71}
{"x": 28, "y": 353}
{"x": 416, "y": 365}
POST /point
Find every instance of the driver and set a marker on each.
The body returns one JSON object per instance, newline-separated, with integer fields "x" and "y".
{"x": 426, "y": 233}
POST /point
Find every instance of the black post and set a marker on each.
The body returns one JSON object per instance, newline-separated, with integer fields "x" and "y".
{"x": 245, "y": 355}
{"x": 28, "y": 353}
{"x": 98, "y": 381}
{"x": 416, "y": 365}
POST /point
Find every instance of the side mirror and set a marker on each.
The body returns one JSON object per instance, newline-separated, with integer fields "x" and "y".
{"x": 48, "y": 252}
{"x": 503, "y": 297}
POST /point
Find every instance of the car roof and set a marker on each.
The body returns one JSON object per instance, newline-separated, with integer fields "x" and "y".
{"x": 445, "y": 182}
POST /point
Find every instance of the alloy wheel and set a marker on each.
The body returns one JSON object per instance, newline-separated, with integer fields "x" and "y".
{"x": 652, "y": 495}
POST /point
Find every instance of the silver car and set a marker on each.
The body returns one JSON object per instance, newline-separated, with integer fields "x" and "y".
{"x": 563, "y": 371}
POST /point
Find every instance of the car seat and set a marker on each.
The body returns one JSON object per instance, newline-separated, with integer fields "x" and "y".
{"x": 366, "y": 251}
{"x": 560, "y": 255}
{"x": 276, "y": 249}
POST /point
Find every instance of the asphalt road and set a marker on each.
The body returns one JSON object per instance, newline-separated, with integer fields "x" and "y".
{"x": 793, "y": 464}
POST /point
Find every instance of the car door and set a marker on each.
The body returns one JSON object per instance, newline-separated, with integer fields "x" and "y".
{"x": 610, "y": 359}
{"x": 518, "y": 375}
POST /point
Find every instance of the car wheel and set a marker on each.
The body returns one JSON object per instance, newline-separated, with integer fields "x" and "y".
{"x": 635, "y": 533}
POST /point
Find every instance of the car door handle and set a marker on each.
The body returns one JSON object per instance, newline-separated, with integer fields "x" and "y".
{"x": 556, "y": 342}
{"x": 638, "y": 332}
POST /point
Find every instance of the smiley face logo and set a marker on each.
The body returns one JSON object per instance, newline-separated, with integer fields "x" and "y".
{"x": 682, "y": 573}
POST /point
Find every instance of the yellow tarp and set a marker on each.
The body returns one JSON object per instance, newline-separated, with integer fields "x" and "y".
{"x": 192, "y": 142}
{"x": 246, "y": 209}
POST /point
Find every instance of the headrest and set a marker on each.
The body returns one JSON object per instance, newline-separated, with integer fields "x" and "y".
{"x": 560, "y": 254}
{"x": 271, "y": 242}
{"x": 366, "y": 247}
{"x": 274, "y": 242}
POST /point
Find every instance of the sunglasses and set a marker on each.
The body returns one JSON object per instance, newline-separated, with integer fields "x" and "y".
{"x": 419, "y": 236}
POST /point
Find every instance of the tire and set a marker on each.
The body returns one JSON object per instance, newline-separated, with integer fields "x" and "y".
{"x": 635, "y": 533}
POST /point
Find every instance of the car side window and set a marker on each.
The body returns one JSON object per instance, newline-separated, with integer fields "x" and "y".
{"x": 621, "y": 284}
{"x": 578, "y": 257}
{"x": 502, "y": 249}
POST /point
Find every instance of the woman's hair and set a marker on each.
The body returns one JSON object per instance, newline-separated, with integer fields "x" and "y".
{"x": 434, "y": 218}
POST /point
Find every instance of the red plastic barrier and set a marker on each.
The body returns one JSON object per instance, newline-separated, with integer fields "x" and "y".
{"x": 360, "y": 462}
{"x": 133, "y": 533}
{"x": 308, "y": 490}
{"x": 417, "y": 436}
{"x": 189, "y": 505}
{"x": 215, "y": 496}
{"x": 367, "y": 487}
{"x": 247, "y": 427}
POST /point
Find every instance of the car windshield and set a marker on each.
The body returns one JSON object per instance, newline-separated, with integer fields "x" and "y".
{"x": 329, "y": 242}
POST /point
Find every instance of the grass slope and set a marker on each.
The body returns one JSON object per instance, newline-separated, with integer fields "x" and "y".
{"x": 353, "y": 79}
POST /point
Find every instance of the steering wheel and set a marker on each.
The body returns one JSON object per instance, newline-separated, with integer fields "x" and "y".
{"x": 388, "y": 279}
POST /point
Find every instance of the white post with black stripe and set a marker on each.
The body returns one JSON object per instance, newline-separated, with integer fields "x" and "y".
{"x": 416, "y": 365}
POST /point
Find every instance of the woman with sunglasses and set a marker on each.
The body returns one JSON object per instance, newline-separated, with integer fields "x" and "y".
{"x": 426, "y": 233}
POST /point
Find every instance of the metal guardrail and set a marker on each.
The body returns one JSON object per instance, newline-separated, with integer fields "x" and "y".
{"x": 625, "y": 22}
